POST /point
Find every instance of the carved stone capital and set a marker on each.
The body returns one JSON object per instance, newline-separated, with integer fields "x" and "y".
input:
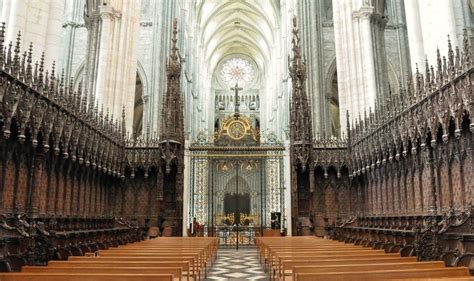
{"x": 108, "y": 12}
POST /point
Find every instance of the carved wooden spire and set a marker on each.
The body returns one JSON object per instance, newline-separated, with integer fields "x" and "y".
{"x": 172, "y": 127}
{"x": 301, "y": 135}
{"x": 172, "y": 124}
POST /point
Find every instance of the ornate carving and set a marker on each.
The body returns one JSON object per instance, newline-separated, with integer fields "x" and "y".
{"x": 301, "y": 135}
{"x": 237, "y": 128}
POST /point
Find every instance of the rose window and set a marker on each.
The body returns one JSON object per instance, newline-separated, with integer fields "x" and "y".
{"x": 237, "y": 71}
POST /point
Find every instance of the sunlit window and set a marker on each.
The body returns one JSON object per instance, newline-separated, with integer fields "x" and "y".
{"x": 237, "y": 71}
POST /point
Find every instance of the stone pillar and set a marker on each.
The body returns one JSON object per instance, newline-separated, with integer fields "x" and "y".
{"x": 367, "y": 58}
{"x": 415, "y": 34}
{"x": 437, "y": 22}
{"x": 361, "y": 57}
{"x": 186, "y": 188}
{"x": 311, "y": 36}
{"x": 6, "y": 6}
{"x": 429, "y": 23}
{"x": 40, "y": 22}
{"x": 53, "y": 41}
{"x": 14, "y": 17}
{"x": 107, "y": 33}
{"x": 73, "y": 23}
{"x": 111, "y": 63}
{"x": 286, "y": 215}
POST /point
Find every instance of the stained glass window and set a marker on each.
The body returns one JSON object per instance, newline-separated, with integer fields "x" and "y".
{"x": 237, "y": 71}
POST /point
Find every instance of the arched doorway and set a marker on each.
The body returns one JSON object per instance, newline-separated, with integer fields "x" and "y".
{"x": 237, "y": 204}
{"x": 236, "y": 199}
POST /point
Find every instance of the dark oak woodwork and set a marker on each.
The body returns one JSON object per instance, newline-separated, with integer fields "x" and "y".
{"x": 402, "y": 179}
{"x": 71, "y": 182}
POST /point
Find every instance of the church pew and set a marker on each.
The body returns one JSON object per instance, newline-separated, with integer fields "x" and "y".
{"x": 184, "y": 265}
{"x": 200, "y": 263}
{"x": 273, "y": 262}
{"x": 205, "y": 254}
{"x": 300, "y": 243}
{"x": 204, "y": 248}
{"x": 209, "y": 247}
{"x": 174, "y": 256}
{"x": 286, "y": 265}
{"x": 276, "y": 264}
{"x": 83, "y": 277}
{"x": 275, "y": 247}
{"x": 194, "y": 270}
{"x": 200, "y": 259}
{"x": 435, "y": 279}
{"x": 372, "y": 266}
{"x": 314, "y": 250}
{"x": 166, "y": 257}
{"x": 175, "y": 271}
{"x": 320, "y": 258}
{"x": 310, "y": 243}
{"x": 272, "y": 253}
{"x": 383, "y": 274}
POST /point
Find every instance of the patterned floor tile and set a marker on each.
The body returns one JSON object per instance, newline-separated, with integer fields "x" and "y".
{"x": 236, "y": 265}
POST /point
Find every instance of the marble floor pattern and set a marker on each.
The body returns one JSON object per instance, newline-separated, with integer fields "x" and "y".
{"x": 233, "y": 265}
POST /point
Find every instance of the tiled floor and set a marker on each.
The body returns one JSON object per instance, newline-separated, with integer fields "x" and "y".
{"x": 232, "y": 264}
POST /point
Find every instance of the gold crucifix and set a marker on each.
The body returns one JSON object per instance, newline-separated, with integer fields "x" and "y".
{"x": 236, "y": 102}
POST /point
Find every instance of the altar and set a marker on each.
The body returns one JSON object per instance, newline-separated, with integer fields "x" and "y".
{"x": 234, "y": 197}
{"x": 235, "y": 182}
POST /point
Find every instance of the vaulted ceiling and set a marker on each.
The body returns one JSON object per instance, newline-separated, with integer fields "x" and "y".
{"x": 237, "y": 27}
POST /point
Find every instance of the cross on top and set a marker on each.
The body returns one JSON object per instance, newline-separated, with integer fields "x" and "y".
{"x": 236, "y": 102}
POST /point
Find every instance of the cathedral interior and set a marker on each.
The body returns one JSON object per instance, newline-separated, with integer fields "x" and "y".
{"x": 235, "y": 120}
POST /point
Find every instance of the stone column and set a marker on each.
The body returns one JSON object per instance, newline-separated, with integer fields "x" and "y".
{"x": 111, "y": 63}
{"x": 361, "y": 57}
{"x": 6, "y": 6}
{"x": 437, "y": 22}
{"x": 286, "y": 215}
{"x": 14, "y": 17}
{"x": 40, "y": 22}
{"x": 186, "y": 188}
{"x": 108, "y": 25}
{"x": 311, "y": 29}
{"x": 72, "y": 23}
{"x": 53, "y": 40}
{"x": 415, "y": 34}
{"x": 367, "y": 58}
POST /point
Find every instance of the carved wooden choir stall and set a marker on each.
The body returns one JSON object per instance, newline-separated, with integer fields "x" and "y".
{"x": 401, "y": 180}
{"x": 71, "y": 181}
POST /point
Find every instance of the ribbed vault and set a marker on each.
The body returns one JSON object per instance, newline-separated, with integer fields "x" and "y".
{"x": 255, "y": 29}
{"x": 237, "y": 26}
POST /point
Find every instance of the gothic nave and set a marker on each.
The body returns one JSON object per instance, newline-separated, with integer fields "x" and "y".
{"x": 187, "y": 133}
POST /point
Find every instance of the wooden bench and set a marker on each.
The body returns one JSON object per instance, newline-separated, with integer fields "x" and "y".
{"x": 159, "y": 259}
{"x": 175, "y": 271}
{"x": 200, "y": 259}
{"x": 193, "y": 270}
{"x": 185, "y": 267}
{"x": 275, "y": 263}
{"x": 288, "y": 264}
{"x": 365, "y": 267}
{"x": 312, "y": 258}
{"x": 383, "y": 274}
{"x": 202, "y": 250}
{"x": 83, "y": 277}
{"x": 435, "y": 279}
